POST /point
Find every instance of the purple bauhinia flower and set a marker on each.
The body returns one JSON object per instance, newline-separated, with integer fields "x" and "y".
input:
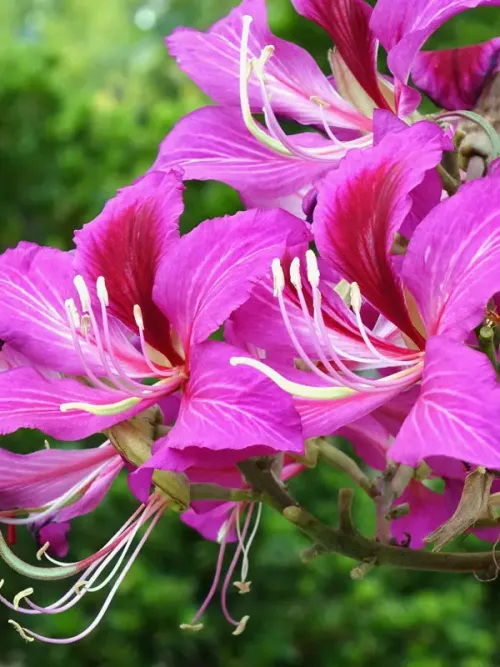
{"x": 137, "y": 302}
{"x": 414, "y": 325}
{"x": 246, "y": 70}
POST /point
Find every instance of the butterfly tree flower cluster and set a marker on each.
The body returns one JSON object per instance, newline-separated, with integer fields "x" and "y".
{"x": 356, "y": 297}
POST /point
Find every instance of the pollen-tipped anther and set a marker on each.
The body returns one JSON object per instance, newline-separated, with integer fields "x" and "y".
{"x": 40, "y": 553}
{"x": 85, "y": 325}
{"x": 295, "y": 272}
{"x": 80, "y": 587}
{"x": 21, "y": 630}
{"x": 83, "y": 293}
{"x": 317, "y": 100}
{"x": 242, "y": 586}
{"x": 102, "y": 292}
{"x": 192, "y": 628}
{"x": 312, "y": 269}
{"x": 72, "y": 311}
{"x": 355, "y": 297}
{"x": 20, "y": 596}
{"x": 139, "y": 320}
{"x": 278, "y": 277}
{"x": 241, "y": 626}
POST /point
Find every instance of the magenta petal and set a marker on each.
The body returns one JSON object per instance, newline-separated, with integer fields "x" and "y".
{"x": 56, "y": 534}
{"x": 428, "y": 510}
{"x": 127, "y": 242}
{"x": 403, "y": 27}
{"x": 34, "y": 284}
{"x": 363, "y": 203}
{"x": 370, "y": 440}
{"x": 29, "y": 400}
{"x": 95, "y": 493}
{"x": 199, "y": 463}
{"x": 209, "y": 524}
{"x": 451, "y": 266}
{"x": 454, "y": 78}
{"x": 33, "y": 480}
{"x": 324, "y": 418}
{"x": 347, "y": 23}
{"x": 214, "y": 144}
{"x": 212, "y": 61}
{"x": 227, "y": 407}
{"x": 213, "y": 269}
{"x": 456, "y": 414}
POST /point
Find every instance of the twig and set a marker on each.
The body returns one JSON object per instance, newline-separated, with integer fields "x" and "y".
{"x": 346, "y": 524}
{"x": 327, "y": 539}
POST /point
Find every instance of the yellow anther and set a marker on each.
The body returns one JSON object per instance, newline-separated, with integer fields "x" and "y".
{"x": 317, "y": 100}
{"x": 80, "y": 586}
{"x": 41, "y": 552}
{"x": 242, "y": 586}
{"x": 191, "y": 628}
{"x": 21, "y": 630}
{"x": 20, "y": 596}
{"x": 241, "y": 626}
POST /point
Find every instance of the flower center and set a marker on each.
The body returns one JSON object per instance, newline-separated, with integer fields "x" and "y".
{"x": 275, "y": 138}
{"x": 331, "y": 362}
{"x": 113, "y": 378}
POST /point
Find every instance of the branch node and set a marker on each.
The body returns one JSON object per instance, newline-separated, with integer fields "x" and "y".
{"x": 360, "y": 572}
{"x": 293, "y": 514}
{"x": 346, "y": 524}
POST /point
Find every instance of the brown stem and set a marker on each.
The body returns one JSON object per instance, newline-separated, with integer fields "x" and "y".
{"x": 216, "y": 492}
{"x": 346, "y": 524}
{"x": 327, "y": 539}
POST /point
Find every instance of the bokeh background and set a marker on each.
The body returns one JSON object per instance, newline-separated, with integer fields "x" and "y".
{"x": 87, "y": 92}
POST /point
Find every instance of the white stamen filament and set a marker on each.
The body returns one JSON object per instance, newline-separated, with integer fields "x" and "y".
{"x": 109, "y": 598}
{"x": 346, "y": 382}
{"x": 246, "y": 548}
{"x": 356, "y": 303}
{"x": 246, "y": 68}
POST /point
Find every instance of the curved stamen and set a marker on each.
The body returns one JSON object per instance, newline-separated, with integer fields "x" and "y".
{"x": 129, "y": 385}
{"x": 322, "y": 106}
{"x": 319, "y": 153}
{"x": 279, "y": 282}
{"x": 355, "y": 382}
{"x": 230, "y": 571}
{"x": 195, "y": 625}
{"x": 245, "y": 74}
{"x": 294, "y": 388}
{"x": 246, "y": 560}
{"x": 162, "y": 387}
{"x": 74, "y": 322}
{"x": 356, "y": 308}
{"x": 109, "y": 598}
{"x": 140, "y": 325}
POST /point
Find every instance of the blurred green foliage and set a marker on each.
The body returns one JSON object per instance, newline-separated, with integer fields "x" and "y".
{"x": 87, "y": 93}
